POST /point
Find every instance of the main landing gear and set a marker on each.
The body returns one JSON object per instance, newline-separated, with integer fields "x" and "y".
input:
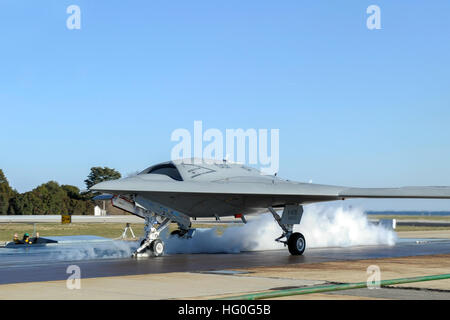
{"x": 296, "y": 244}
{"x": 292, "y": 214}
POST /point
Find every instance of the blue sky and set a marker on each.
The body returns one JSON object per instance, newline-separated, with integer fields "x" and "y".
{"x": 354, "y": 106}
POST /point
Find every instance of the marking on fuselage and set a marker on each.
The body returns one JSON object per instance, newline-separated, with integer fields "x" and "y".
{"x": 194, "y": 168}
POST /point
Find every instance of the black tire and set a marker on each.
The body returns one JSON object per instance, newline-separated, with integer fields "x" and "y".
{"x": 296, "y": 244}
{"x": 157, "y": 248}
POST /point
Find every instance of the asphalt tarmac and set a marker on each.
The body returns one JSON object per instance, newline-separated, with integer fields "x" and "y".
{"x": 43, "y": 265}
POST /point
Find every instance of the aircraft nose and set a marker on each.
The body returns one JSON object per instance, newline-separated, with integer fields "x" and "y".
{"x": 102, "y": 186}
{"x": 111, "y": 185}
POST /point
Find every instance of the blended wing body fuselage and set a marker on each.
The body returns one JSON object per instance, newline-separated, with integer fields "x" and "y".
{"x": 177, "y": 191}
{"x": 216, "y": 189}
{"x": 224, "y": 189}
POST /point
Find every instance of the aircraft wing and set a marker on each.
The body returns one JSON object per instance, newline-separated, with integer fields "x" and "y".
{"x": 404, "y": 192}
{"x": 288, "y": 190}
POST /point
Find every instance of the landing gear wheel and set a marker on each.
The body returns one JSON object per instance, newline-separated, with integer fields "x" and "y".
{"x": 296, "y": 244}
{"x": 157, "y": 247}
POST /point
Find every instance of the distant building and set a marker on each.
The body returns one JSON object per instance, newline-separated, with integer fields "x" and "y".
{"x": 99, "y": 211}
{"x": 108, "y": 209}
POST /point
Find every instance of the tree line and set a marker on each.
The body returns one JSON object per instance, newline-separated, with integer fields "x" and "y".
{"x": 51, "y": 197}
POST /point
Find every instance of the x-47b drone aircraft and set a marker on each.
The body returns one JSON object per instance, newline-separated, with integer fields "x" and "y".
{"x": 177, "y": 191}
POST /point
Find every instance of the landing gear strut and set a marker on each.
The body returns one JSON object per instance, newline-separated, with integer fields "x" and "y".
{"x": 152, "y": 245}
{"x": 154, "y": 214}
{"x": 292, "y": 214}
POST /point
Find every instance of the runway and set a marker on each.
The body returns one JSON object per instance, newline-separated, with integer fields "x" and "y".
{"x": 32, "y": 267}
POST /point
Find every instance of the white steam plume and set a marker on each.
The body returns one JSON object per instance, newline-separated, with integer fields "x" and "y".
{"x": 321, "y": 226}
{"x": 107, "y": 250}
{"x": 84, "y": 251}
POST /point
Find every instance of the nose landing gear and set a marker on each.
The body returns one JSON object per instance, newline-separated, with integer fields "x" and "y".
{"x": 157, "y": 218}
{"x": 152, "y": 245}
{"x": 157, "y": 247}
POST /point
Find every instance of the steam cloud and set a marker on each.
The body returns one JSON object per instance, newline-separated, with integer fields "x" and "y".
{"x": 321, "y": 226}
{"x": 106, "y": 250}
{"x": 109, "y": 249}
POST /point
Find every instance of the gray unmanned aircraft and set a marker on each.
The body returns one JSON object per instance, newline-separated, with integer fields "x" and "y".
{"x": 177, "y": 191}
